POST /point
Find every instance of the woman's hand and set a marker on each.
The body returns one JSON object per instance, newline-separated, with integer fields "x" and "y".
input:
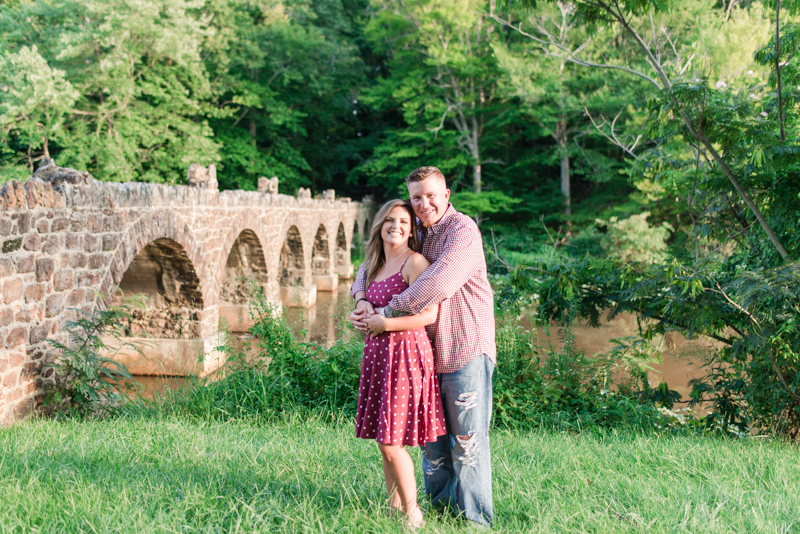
{"x": 363, "y": 309}
{"x": 376, "y": 324}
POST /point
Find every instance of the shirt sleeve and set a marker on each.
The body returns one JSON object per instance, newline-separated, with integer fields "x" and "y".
{"x": 361, "y": 281}
{"x": 463, "y": 253}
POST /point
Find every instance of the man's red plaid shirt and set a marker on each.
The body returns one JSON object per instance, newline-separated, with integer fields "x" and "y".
{"x": 458, "y": 282}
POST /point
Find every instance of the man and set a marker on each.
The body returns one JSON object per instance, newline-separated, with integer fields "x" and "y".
{"x": 457, "y": 467}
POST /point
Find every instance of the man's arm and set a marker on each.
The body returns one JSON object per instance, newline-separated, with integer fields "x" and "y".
{"x": 463, "y": 254}
{"x": 377, "y": 324}
{"x": 360, "y": 284}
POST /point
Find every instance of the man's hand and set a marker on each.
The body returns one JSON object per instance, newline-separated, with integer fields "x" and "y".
{"x": 376, "y": 324}
{"x": 363, "y": 310}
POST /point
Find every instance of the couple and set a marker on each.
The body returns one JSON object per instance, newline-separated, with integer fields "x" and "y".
{"x": 427, "y": 271}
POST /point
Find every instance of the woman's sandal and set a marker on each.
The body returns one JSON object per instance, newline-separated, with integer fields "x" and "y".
{"x": 414, "y": 520}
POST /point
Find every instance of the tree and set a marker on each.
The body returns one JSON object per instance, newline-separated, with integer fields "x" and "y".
{"x": 741, "y": 293}
{"x": 662, "y": 64}
{"x": 34, "y": 100}
{"x": 564, "y": 99}
{"x": 443, "y": 82}
{"x": 142, "y": 87}
{"x": 289, "y": 76}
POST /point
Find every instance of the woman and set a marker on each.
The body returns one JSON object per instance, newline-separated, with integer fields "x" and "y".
{"x": 398, "y": 399}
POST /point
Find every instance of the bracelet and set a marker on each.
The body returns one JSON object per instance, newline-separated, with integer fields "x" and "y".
{"x": 359, "y": 300}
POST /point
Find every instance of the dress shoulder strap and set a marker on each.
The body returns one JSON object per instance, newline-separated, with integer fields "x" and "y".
{"x": 408, "y": 258}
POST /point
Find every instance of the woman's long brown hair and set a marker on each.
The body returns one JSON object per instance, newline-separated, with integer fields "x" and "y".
{"x": 374, "y": 257}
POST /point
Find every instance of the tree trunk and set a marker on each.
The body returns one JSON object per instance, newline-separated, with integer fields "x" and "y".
{"x": 474, "y": 148}
{"x": 561, "y": 135}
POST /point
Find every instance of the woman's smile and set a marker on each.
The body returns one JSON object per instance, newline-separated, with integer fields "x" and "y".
{"x": 396, "y": 226}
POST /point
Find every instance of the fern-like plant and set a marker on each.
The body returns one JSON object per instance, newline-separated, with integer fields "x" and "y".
{"x": 87, "y": 382}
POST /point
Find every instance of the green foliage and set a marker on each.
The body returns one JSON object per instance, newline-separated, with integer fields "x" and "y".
{"x": 273, "y": 376}
{"x": 476, "y": 204}
{"x": 720, "y": 163}
{"x": 254, "y": 87}
{"x": 142, "y": 88}
{"x": 540, "y": 386}
{"x": 33, "y": 102}
{"x": 287, "y": 71}
{"x": 753, "y": 379}
{"x": 87, "y": 382}
{"x": 632, "y": 239}
{"x": 563, "y": 99}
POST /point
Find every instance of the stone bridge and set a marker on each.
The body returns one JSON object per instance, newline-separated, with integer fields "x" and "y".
{"x": 68, "y": 241}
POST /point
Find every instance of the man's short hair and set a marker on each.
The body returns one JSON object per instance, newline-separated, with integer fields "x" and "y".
{"x": 423, "y": 173}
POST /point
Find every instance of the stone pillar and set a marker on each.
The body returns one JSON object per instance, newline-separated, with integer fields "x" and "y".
{"x": 345, "y": 271}
{"x": 268, "y": 186}
{"x": 199, "y": 176}
{"x": 326, "y": 282}
{"x": 168, "y": 357}
{"x": 237, "y": 319}
{"x": 298, "y": 296}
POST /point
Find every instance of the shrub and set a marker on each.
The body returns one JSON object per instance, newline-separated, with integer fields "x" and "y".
{"x": 273, "y": 376}
{"x": 534, "y": 386}
{"x": 632, "y": 239}
{"x": 753, "y": 380}
{"x": 87, "y": 382}
{"x": 538, "y": 385}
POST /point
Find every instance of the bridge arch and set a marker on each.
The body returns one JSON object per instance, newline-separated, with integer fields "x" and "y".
{"x": 257, "y": 241}
{"x": 161, "y": 257}
{"x": 245, "y": 272}
{"x": 161, "y": 224}
{"x": 164, "y": 274}
{"x": 292, "y": 259}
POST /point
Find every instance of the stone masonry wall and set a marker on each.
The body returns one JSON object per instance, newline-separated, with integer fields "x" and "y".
{"x": 63, "y": 247}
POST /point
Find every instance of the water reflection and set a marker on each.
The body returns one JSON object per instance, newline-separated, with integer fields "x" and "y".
{"x": 322, "y": 323}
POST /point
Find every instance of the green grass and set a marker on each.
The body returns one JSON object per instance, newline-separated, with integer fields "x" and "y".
{"x": 134, "y": 475}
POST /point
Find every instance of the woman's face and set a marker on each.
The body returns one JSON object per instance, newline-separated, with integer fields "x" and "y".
{"x": 396, "y": 227}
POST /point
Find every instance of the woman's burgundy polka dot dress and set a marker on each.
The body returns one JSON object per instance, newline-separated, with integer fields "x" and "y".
{"x": 398, "y": 397}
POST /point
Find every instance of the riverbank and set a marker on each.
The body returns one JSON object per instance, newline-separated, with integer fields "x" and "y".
{"x": 306, "y": 476}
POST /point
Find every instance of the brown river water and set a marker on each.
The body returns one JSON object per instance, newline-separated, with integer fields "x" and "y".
{"x": 681, "y": 359}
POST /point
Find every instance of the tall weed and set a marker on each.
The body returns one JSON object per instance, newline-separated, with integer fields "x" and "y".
{"x": 537, "y": 385}
{"x": 534, "y": 385}
{"x": 87, "y": 382}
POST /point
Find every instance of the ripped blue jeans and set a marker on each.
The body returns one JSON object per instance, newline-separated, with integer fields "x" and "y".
{"x": 458, "y": 466}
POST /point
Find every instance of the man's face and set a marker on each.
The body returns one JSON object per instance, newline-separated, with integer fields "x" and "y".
{"x": 429, "y": 199}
